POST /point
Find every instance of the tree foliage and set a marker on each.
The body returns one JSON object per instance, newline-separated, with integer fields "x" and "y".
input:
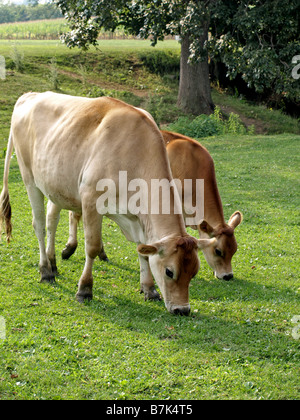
{"x": 152, "y": 19}
{"x": 254, "y": 38}
{"x": 258, "y": 40}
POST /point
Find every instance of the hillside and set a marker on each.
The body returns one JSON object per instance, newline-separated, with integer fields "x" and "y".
{"x": 130, "y": 70}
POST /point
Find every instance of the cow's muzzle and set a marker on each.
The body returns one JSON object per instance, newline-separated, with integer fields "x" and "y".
{"x": 225, "y": 276}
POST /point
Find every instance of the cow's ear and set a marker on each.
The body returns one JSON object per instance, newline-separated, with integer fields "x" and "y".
{"x": 147, "y": 250}
{"x": 206, "y": 228}
{"x": 204, "y": 243}
{"x": 235, "y": 219}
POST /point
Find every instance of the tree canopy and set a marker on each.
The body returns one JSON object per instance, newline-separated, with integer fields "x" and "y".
{"x": 254, "y": 38}
{"x": 258, "y": 39}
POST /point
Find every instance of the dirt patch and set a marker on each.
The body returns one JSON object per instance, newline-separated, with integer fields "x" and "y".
{"x": 260, "y": 126}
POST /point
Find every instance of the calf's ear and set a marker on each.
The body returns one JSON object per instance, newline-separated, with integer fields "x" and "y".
{"x": 204, "y": 243}
{"x": 206, "y": 228}
{"x": 147, "y": 250}
{"x": 235, "y": 219}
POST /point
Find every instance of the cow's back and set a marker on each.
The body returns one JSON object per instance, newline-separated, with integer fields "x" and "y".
{"x": 64, "y": 143}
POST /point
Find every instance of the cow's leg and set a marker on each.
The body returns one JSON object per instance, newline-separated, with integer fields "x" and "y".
{"x": 102, "y": 254}
{"x": 146, "y": 280}
{"x": 72, "y": 243}
{"x": 53, "y": 213}
{"x": 92, "y": 221}
{"x": 38, "y": 211}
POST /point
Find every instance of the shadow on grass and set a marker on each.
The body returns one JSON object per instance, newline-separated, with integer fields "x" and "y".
{"x": 228, "y": 332}
{"x": 240, "y": 290}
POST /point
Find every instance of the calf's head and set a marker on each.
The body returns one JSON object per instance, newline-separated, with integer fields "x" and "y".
{"x": 174, "y": 262}
{"x": 219, "y": 254}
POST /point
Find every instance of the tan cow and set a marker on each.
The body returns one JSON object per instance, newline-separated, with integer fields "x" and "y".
{"x": 190, "y": 160}
{"x": 65, "y": 146}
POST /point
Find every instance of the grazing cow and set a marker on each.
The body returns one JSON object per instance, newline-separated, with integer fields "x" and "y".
{"x": 190, "y": 160}
{"x": 65, "y": 146}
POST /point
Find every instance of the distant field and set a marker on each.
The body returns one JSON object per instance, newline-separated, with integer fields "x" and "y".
{"x": 49, "y": 29}
{"x": 39, "y": 29}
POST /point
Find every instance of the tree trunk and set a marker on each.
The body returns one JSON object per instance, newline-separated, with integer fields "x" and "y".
{"x": 194, "y": 87}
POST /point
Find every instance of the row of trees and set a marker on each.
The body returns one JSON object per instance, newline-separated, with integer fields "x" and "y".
{"x": 256, "y": 39}
{"x": 10, "y": 12}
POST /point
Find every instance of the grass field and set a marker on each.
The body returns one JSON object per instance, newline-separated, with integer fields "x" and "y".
{"x": 38, "y": 29}
{"x": 239, "y": 342}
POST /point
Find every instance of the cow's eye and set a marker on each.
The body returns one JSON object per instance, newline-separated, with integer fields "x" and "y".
{"x": 169, "y": 273}
{"x": 218, "y": 252}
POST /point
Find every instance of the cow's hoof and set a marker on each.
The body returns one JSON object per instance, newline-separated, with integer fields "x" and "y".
{"x": 68, "y": 251}
{"x": 54, "y": 267}
{"x": 103, "y": 256}
{"x": 47, "y": 276}
{"x": 50, "y": 278}
{"x": 150, "y": 293}
{"x": 83, "y": 296}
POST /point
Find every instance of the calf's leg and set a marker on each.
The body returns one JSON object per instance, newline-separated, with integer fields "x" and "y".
{"x": 146, "y": 280}
{"x": 72, "y": 243}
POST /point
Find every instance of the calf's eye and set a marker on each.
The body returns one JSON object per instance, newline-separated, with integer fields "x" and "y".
{"x": 218, "y": 252}
{"x": 169, "y": 273}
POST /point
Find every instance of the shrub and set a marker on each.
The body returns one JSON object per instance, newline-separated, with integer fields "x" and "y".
{"x": 123, "y": 95}
{"x": 18, "y": 59}
{"x": 53, "y": 75}
{"x": 161, "y": 62}
{"x": 208, "y": 125}
{"x": 234, "y": 125}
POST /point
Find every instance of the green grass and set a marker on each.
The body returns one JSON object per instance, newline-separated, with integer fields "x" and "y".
{"x": 238, "y": 342}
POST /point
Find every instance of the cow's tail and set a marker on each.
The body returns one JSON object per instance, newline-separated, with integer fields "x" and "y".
{"x": 5, "y": 208}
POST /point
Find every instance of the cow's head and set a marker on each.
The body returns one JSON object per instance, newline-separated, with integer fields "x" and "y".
{"x": 174, "y": 262}
{"x": 219, "y": 254}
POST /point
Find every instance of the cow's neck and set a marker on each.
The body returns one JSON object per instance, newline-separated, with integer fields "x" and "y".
{"x": 213, "y": 209}
{"x": 159, "y": 226}
{"x": 149, "y": 228}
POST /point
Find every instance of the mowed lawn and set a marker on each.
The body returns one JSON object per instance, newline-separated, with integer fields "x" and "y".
{"x": 241, "y": 340}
